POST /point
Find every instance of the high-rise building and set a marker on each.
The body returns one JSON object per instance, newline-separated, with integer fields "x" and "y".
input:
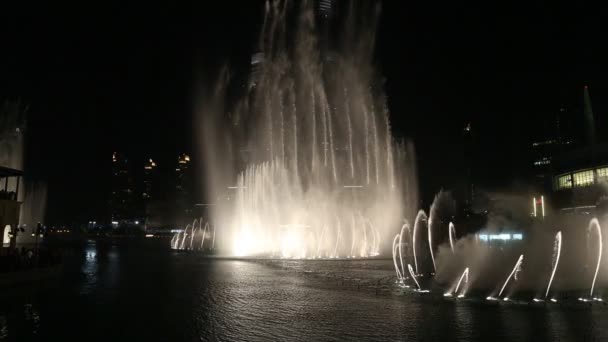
{"x": 150, "y": 177}
{"x": 183, "y": 187}
{"x": 122, "y": 199}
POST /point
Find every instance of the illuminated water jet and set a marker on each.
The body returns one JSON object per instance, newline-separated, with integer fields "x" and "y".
{"x": 395, "y": 246}
{"x": 515, "y": 269}
{"x": 421, "y": 216}
{"x": 409, "y": 267}
{"x": 595, "y": 223}
{"x": 293, "y": 158}
{"x": 557, "y": 250}
{"x": 465, "y": 277}
{"x": 452, "y": 234}
{"x": 429, "y": 230}
{"x": 404, "y": 228}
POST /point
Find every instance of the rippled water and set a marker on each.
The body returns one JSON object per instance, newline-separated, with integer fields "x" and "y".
{"x": 140, "y": 291}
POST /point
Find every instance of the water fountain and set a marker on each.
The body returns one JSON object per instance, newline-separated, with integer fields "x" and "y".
{"x": 420, "y": 217}
{"x": 557, "y": 250}
{"x": 305, "y": 165}
{"x": 513, "y": 273}
{"x": 186, "y": 240}
{"x": 452, "y": 235}
{"x": 461, "y": 294}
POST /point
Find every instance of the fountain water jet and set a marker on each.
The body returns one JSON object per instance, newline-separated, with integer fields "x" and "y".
{"x": 405, "y": 227}
{"x": 452, "y": 234}
{"x": 409, "y": 267}
{"x": 595, "y": 223}
{"x": 421, "y": 216}
{"x": 294, "y": 140}
{"x": 465, "y": 276}
{"x": 395, "y": 246}
{"x": 429, "y": 229}
{"x": 514, "y": 271}
{"x": 557, "y": 250}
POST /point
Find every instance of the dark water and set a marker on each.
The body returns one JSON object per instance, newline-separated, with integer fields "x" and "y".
{"x": 139, "y": 291}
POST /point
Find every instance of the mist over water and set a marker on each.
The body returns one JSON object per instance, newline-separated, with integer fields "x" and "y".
{"x": 303, "y": 164}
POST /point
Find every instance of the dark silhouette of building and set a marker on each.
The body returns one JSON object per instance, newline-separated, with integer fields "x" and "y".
{"x": 122, "y": 199}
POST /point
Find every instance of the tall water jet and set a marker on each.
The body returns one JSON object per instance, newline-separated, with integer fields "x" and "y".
{"x": 409, "y": 267}
{"x": 557, "y": 250}
{"x": 465, "y": 277}
{"x": 430, "y": 235}
{"x": 595, "y": 223}
{"x": 302, "y": 144}
{"x": 452, "y": 234}
{"x": 421, "y": 216}
{"x": 404, "y": 228}
{"x": 395, "y": 246}
{"x": 514, "y": 271}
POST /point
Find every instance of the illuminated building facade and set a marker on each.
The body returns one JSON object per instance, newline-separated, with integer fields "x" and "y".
{"x": 580, "y": 175}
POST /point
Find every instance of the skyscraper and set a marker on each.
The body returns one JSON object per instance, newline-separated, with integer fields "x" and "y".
{"x": 122, "y": 199}
{"x": 183, "y": 188}
{"x": 149, "y": 179}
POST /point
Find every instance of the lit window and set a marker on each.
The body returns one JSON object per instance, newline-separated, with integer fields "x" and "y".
{"x": 564, "y": 182}
{"x": 583, "y": 178}
{"x": 602, "y": 172}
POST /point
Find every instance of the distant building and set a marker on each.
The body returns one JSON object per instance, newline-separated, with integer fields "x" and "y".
{"x": 546, "y": 146}
{"x": 122, "y": 199}
{"x": 580, "y": 175}
{"x": 183, "y": 188}
{"x": 150, "y": 178}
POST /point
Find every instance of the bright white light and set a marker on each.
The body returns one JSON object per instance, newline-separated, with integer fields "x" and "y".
{"x": 534, "y": 206}
{"x": 518, "y": 236}
{"x": 537, "y": 300}
{"x": 149, "y": 235}
{"x": 483, "y": 237}
{"x": 447, "y": 294}
{"x": 490, "y": 298}
{"x": 136, "y": 222}
{"x": 506, "y": 299}
{"x": 553, "y": 300}
{"x": 542, "y": 204}
{"x": 461, "y": 295}
{"x": 115, "y": 222}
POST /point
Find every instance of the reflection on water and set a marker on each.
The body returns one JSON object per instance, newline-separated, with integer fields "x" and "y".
{"x": 136, "y": 291}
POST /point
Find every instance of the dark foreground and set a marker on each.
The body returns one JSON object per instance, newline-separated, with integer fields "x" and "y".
{"x": 140, "y": 291}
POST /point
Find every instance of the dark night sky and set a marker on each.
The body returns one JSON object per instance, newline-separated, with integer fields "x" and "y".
{"x": 120, "y": 76}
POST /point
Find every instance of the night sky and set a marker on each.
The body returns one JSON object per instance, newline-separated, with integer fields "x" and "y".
{"x": 121, "y": 76}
